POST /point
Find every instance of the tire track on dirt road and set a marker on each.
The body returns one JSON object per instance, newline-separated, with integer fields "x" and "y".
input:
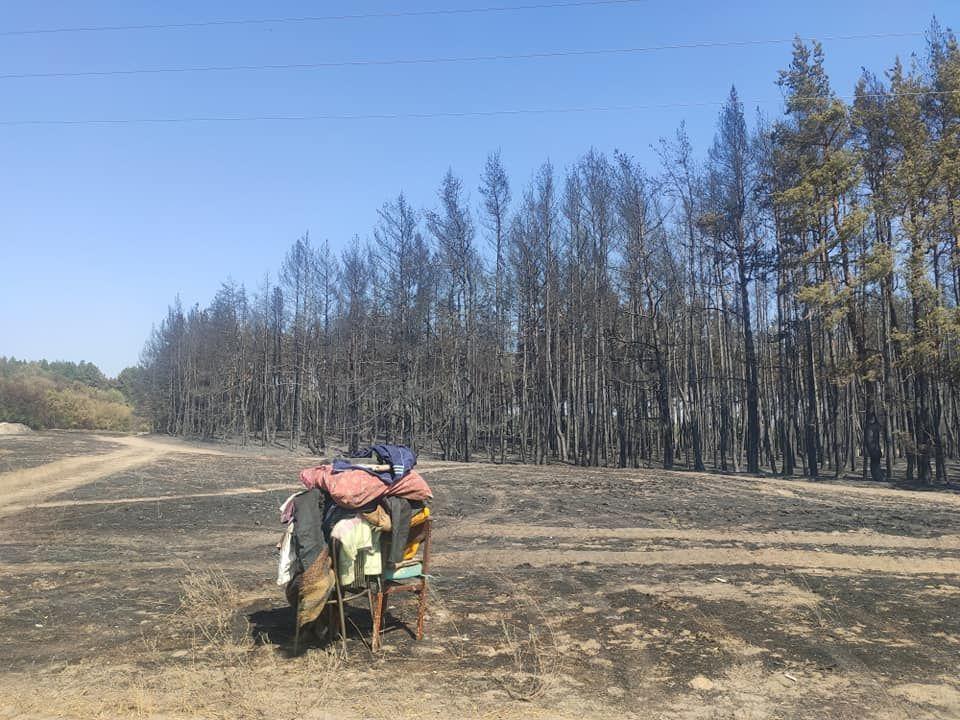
{"x": 22, "y": 489}
{"x": 803, "y": 489}
{"x": 496, "y": 559}
{"x": 487, "y": 558}
{"x": 777, "y": 537}
{"x": 223, "y": 492}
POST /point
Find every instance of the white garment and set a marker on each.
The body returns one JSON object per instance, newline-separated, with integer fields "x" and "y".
{"x": 358, "y": 539}
{"x": 287, "y": 558}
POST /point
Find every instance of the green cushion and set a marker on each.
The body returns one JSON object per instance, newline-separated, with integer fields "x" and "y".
{"x": 403, "y": 573}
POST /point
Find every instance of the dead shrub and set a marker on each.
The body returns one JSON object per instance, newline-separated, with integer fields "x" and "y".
{"x": 208, "y": 608}
{"x": 533, "y": 647}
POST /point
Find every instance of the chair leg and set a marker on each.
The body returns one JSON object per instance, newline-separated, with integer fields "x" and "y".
{"x": 376, "y": 610}
{"x": 343, "y": 621}
{"x": 421, "y": 607}
{"x": 371, "y": 600}
{"x": 331, "y": 621}
{"x": 343, "y": 627}
{"x": 335, "y": 564}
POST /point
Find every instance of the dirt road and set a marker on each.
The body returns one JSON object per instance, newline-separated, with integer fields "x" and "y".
{"x": 20, "y": 489}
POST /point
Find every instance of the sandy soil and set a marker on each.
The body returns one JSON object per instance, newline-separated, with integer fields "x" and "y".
{"x": 136, "y": 579}
{"x": 8, "y": 428}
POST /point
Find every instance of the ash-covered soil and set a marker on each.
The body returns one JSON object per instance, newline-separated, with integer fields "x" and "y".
{"x": 18, "y": 452}
{"x": 556, "y": 592}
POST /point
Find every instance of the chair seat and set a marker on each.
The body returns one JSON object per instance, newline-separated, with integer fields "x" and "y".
{"x": 404, "y": 572}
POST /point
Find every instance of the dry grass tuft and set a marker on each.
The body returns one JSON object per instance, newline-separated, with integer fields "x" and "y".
{"x": 537, "y": 660}
{"x": 209, "y": 609}
{"x": 222, "y": 676}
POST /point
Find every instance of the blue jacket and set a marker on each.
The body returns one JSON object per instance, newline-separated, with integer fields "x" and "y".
{"x": 400, "y": 458}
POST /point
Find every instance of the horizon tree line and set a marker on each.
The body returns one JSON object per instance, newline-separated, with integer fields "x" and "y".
{"x": 789, "y": 303}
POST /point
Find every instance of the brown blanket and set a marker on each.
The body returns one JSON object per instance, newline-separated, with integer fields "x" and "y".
{"x": 316, "y": 583}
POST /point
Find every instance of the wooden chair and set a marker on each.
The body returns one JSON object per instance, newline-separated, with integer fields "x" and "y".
{"x": 408, "y": 576}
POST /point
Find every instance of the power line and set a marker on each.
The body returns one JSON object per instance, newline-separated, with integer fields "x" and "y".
{"x": 348, "y": 117}
{"x": 447, "y": 60}
{"x": 320, "y": 18}
{"x": 430, "y": 115}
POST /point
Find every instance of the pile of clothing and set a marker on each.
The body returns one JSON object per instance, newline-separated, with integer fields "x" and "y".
{"x": 367, "y": 507}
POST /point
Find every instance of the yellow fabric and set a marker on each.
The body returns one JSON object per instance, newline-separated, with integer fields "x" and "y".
{"x": 420, "y": 517}
{"x": 411, "y": 550}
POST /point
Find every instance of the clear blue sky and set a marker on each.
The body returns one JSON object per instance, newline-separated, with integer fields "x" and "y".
{"x": 101, "y": 226}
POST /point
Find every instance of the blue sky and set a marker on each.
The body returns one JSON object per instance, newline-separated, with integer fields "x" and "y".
{"x": 101, "y": 226}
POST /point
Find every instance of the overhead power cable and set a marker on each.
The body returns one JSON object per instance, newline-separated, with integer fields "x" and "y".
{"x": 429, "y": 115}
{"x": 547, "y": 54}
{"x": 319, "y": 18}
